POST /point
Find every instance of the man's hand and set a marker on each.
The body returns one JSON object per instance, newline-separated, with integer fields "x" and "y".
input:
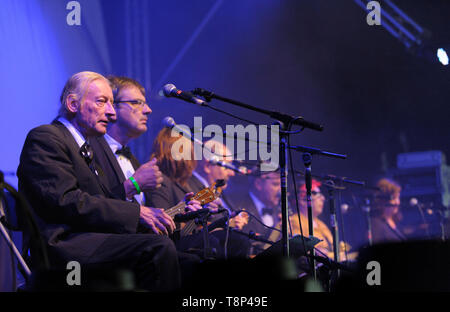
{"x": 239, "y": 221}
{"x": 156, "y": 220}
{"x": 147, "y": 176}
{"x": 214, "y": 205}
{"x": 191, "y": 204}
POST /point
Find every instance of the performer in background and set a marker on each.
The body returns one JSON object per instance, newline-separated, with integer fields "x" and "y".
{"x": 262, "y": 202}
{"x": 179, "y": 178}
{"x": 121, "y": 168}
{"x": 386, "y": 212}
{"x": 207, "y": 172}
{"x": 79, "y": 217}
{"x": 320, "y": 229}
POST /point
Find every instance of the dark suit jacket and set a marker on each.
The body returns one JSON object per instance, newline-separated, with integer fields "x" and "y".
{"x": 171, "y": 193}
{"x": 247, "y": 203}
{"x": 113, "y": 173}
{"x": 382, "y": 232}
{"x": 76, "y": 211}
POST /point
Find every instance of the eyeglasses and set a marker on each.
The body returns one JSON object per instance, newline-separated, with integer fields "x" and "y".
{"x": 134, "y": 103}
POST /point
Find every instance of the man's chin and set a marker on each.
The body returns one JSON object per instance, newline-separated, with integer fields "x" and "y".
{"x": 99, "y": 131}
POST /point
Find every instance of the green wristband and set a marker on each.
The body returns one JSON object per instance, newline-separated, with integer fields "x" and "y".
{"x": 136, "y": 185}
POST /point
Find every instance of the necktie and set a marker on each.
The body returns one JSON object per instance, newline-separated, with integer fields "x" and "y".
{"x": 88, "y": 155}
{"x": 125, "y": 151}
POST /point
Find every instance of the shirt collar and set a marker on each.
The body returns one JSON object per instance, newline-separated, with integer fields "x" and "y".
{"x": 113, "y": 144}
{"x": 79, "y": 138}
{"x": 258, "y": 204}
{"x": 200, "y": 178}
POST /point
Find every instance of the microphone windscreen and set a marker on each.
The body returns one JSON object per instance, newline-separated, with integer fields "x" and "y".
{"x": 413, "y": 201}
{"x": 168, "y": 122}
{"x": 168, "y": 89}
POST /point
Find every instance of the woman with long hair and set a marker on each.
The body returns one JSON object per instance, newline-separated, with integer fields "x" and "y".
{"x": 386, "y": 212}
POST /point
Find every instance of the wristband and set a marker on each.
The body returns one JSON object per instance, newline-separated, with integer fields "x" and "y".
{"x": 136, "y": 185}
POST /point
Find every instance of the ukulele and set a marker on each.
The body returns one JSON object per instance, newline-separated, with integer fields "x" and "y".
{"x": 204, "y": 196}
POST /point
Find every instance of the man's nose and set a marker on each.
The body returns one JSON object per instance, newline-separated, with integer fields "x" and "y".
{"x": 110, "y": 112}
{"x": 147, "y": 110}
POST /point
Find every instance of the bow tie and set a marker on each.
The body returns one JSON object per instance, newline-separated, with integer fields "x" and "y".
{"x": 267, "y": 211}
{"x": 125, "y": 151}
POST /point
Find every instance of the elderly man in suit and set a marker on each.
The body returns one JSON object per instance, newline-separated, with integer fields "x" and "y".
{"x": 80, "y": 217}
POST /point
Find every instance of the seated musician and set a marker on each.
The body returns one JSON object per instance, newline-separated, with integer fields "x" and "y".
{"x": 180, "y": 178}
{"x": 320, "y": 229}
{"x": 386, "y": 212}
{"x": 262, "y": 203}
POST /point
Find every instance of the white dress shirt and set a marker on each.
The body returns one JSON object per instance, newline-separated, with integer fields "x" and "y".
{"x": 79, "y": 138}
{"x": 266, "y": 219}
{"x": 124, "y": 163}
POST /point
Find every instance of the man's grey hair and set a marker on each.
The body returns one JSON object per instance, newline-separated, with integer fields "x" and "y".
{"x": 77, "y": 86}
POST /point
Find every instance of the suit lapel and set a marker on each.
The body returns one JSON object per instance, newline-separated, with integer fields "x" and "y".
{"x": 182, "y": 188}
{"x": 195, "y": 184}
{"x": 69, "y": 139}
{"x": 72, "y": 144}
{"x": 108, "y": 156}
{"x": 134, "y": 162}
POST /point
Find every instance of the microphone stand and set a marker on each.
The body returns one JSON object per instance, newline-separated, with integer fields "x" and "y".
{"x": 252, "y": 235}
{"x": 285, "y": 121}
{"x": 307, "y": 160}
{"x": 366, "y": 208}
{"x": 333, "y": 224}
{"x": 208, "y": 253}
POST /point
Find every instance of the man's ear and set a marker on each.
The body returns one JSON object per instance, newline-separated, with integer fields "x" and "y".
{"x": 72, "y": 104}
{"x": 257, "y": 184}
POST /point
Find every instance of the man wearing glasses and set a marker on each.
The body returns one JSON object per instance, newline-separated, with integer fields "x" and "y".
{"x": 127, "y": 178}
{"x": 80, "y": 218}
{"x": 132, "y": 114}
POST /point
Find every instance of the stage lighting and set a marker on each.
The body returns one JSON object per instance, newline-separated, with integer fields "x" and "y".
{"x": 442, "y": 56}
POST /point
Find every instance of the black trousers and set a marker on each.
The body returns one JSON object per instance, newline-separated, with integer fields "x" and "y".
{"x": 153, "y": 260}
{"x": 237, "y": 246}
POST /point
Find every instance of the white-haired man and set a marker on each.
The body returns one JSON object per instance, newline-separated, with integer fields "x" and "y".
{"x": 79, "y": 217}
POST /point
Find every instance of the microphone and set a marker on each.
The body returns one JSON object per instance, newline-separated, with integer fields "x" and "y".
{"x": 168, "y": 122}
{"x": 183, "y": 217}
{"x": 241, "y": 169}
{"x": 170, "y": 90}
{"x": 222, "y": 222}
{"x": 344, "y": 208}
{"x": 414, "y": 202}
